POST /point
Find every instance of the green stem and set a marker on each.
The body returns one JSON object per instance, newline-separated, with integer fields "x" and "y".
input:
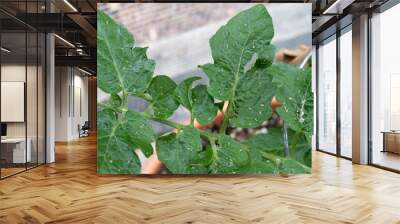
{"x": 173, "y": 124}
{"x": 148, "y": 109}
{"x": 191, "y": 119}
{"x": 124, "y": 100}
{"x": 146, "y": 96}
{"x": 278, "y": 160}
{"x": 214, "y": 148}
{"x": 208, "y": 135}
{"x": 103, "y": 105}
{"x": 271, "y": 157}
{"x": 224, "y": 125}
{"x": 296, "y": 139}
{"x": 167, "y": 122}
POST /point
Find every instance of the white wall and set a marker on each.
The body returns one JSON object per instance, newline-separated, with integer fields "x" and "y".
{"x": 33, "y": 126}
{"x": 61, "y": 103}
{"x": 12, "y": 73}
{"x": 17, "y": 73}
{"x": 12, "y": 100}
{"x": 80, "y": 84}
{"x": 70, "y": 82}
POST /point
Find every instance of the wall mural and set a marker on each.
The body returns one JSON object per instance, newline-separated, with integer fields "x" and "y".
{"x": 254, "y": 115}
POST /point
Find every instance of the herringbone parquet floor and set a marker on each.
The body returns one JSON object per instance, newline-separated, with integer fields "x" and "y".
{"x": 70, "y": 191}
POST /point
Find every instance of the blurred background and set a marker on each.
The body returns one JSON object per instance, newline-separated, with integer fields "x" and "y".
{"x": 177, "y": 36}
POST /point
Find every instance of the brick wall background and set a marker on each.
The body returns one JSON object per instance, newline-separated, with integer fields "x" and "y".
{"x": 153, "y": 21}
{"x": 177, "y": 34}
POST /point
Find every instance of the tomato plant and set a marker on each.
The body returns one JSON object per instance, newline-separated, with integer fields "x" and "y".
{"x": 243, "y": 76}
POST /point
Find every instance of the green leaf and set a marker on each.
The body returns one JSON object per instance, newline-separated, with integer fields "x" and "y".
{"x": 118, "y": 136}
{"x": 199, "y": 165}
{"x": 222, "y": 83}
{"x": 228, "y": 155}
{"x": 204, "y": 157}
{"x": 252, "y": 105}
{"x": 259, "y": 167}
{"x": 272, "y": 142}
{"x": 183, "y": 93}
{"x": 114, "y": 154}
{"x": 115, "y": 100}
{"x": 197, "y": 169}
{"x": 114, "y": 103}
{"x": 160, "y": 87}
{"x": 287, "y": 165}
{"x": 204, "y": 109}
{"x": 242, "y": 51}
{"x": 120, "y": 66}
{"x": 247, "y": 34}
{"x": 144, "y": 145}
{"x": 220, "y": 105}
{"x": 161, "y": 90}
{"x": 291, "y": 166}
{"x": 299, "y": 147}
{"x": 295, "y": 93}
{"x": 177, "y": 151}
{"x": 138, "y": 132}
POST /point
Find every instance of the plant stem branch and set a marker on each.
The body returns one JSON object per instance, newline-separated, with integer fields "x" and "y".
{"x": 124, "y": 100}
{"x": 146, "y": 97}
{"x": 173, "y": 124}
{"x": 214, "y": 148}
{"x": 208, "y": 135}
{"x": 296, "y": 139}
{"x": 167, "y": 122}
{"x": 148, "y": 109}
{"x": 191, "y": 119}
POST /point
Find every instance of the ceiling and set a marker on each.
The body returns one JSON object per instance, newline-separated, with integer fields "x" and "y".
{"x": 74, "y": 22}
{"x": 330, "y": 15}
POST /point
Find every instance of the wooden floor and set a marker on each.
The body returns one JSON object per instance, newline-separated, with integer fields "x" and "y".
{"x": 387, "y": 159}
{"x": 10, "y": 171}
{"x": 70, "y": 191}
